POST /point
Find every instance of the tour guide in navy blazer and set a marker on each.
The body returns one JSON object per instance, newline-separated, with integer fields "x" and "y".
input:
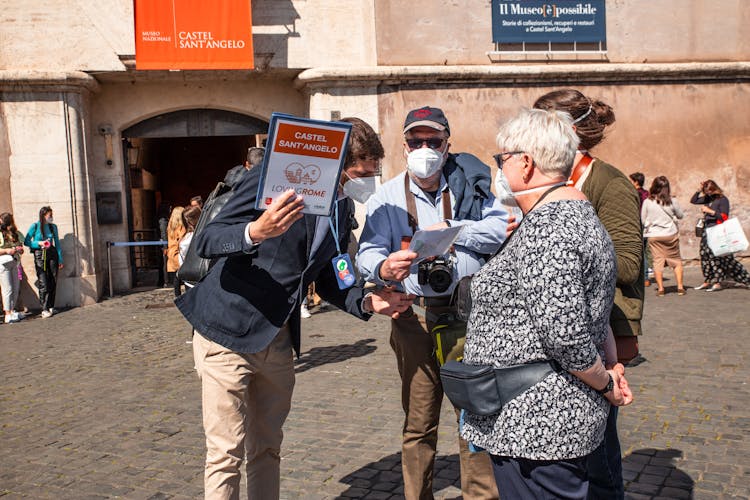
{"x": 245, "y": 314}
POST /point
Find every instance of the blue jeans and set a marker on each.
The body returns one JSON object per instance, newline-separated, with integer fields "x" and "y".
{"x": 605, "y": 464}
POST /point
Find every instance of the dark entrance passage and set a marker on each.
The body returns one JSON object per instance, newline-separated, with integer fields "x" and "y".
{"x": 171, "y": 158}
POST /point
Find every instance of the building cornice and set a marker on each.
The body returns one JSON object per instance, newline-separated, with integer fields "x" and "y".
{"x": 47, "y": 81}
{"x": 523, "y": 74}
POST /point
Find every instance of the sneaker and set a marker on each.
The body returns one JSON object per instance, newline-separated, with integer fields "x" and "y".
{"x": 303, "y": 312}
{"x": 714, "y": 288}
{"x": 703, "y": 286}
{"x": 46, "y": 313}
{"x": 10, "y": 318}
{"x": 19, "y": 315}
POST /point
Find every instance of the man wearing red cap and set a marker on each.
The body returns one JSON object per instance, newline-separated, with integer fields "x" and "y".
{"x": 438, "y": 190}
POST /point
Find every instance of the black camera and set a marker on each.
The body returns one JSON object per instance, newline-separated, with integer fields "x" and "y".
{"x": 436, "y": 272}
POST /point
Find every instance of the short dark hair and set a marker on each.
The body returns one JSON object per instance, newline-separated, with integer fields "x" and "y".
{"x": 198, "y": 199}
{"x": 364, "y": 143}
{"x": 638, "y": 178}
{"x": 255, "y": 156}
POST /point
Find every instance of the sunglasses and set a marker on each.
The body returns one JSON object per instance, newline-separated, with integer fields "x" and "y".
{"x": 432, "y": 143}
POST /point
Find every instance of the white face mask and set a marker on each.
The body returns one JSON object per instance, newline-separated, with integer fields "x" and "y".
{"x": 505, "y": 195}
{"x": 424, "y": 162}
{"x": 359, "y": 188}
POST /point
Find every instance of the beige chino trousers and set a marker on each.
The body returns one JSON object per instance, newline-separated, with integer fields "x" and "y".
{"x": 246, "y": 399}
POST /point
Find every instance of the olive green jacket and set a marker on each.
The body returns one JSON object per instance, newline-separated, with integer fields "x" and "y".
{"x": 617, "y": 204}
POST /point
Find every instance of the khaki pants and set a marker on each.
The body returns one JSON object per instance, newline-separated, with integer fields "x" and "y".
{"x": 246, "y": 399}
{"x": 421, "y": 397}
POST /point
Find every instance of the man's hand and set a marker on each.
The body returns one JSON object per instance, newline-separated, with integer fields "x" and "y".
{"x": 437, "y": 225}
{"x": 396, "y": 266}
{"x": 278, "y": 218}
{"x": 391, "y": 302}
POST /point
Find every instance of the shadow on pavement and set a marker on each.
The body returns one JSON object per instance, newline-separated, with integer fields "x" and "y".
{"x": 384, "y": 476}
{"x": 318, "y": 356}
{"x": 652, "y": 472}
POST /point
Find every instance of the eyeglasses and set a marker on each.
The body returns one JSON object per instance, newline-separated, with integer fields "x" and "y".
{"x": 432, "y": 142}
{"x": 504, "y": 156}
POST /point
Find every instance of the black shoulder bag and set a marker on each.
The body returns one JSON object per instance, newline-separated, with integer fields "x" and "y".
{"x": 195, "y": 267}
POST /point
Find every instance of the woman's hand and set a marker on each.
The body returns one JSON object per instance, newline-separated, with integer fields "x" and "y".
{"x": 10, "y": 251}
{"x": 620, "y": 395}
{"x": 707, "y": 210}
{"x": 60, "y": 266}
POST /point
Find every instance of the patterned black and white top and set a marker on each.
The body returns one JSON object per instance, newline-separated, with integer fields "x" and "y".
{"x": 548, "y": 295}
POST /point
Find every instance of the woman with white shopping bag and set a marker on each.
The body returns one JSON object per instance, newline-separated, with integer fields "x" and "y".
{"x": 715, "y": 208}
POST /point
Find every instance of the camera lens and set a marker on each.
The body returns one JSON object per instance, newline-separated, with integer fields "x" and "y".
{"x": 440, "y": 278}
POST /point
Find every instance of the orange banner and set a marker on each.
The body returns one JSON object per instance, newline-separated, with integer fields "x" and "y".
{"x": 309, "y": 141}
{"x": 193, "y": 34}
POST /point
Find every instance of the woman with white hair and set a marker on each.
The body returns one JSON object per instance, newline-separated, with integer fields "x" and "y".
{"x": 545, "y": 297}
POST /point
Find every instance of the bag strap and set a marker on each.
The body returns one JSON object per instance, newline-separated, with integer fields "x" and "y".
{"x": 671, "y": 216}
{"x": 411, "y": 206}
{"x": 580, "y": 168}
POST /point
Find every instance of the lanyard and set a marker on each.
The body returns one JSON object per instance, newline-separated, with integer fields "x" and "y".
{"x": 335, "y": 231}
{"x": 580, "y": 168}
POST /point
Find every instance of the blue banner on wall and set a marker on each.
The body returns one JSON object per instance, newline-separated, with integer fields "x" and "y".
{"x": 561, "y": 21}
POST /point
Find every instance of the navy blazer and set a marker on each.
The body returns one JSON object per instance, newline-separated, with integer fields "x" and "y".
{"x": 252, "y": 290}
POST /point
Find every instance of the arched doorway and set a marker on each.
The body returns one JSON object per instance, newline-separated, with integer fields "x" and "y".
{"x": 171, "y": 158}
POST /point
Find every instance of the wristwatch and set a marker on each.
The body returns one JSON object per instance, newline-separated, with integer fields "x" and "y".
{"x": 610, "y": 385}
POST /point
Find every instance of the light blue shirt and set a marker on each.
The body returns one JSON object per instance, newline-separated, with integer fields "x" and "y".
{"x": 387, "y": 222}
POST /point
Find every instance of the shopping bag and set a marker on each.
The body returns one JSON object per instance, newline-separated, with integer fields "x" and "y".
{"x": 726, "y": 238}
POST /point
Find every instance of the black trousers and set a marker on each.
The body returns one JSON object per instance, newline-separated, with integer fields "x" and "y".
{"x": 45, "y": 263}
{"x": 524, "y": 479}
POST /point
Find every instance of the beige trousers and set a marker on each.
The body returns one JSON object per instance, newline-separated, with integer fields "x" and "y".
{"x": 421, "y": 398}
{"x": 246, "y": 399}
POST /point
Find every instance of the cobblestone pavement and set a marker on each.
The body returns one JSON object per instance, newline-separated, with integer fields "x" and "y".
{"x": 103, "y": 402}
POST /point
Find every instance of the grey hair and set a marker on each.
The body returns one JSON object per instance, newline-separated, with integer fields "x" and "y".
{"x": 548, "y": 136}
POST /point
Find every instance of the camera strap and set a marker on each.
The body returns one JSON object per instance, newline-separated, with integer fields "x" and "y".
{"x": 411, "y": 205}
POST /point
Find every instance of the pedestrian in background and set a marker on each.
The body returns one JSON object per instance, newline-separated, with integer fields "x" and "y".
{"x": 190, "y": 218}
{"x": 617, "y": 205}
{"x": 196, "y": 201}
{"x": 42, "y": 238}
{"x": 11, "y": 248}
{"x": 639, "y": 180}
{"x": 659, "y": 214}
{"x": 715, "y": 208}
{"x": 175, "y": 231}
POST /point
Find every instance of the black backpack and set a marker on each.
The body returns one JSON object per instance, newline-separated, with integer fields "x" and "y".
{"x": 195, "y": 267}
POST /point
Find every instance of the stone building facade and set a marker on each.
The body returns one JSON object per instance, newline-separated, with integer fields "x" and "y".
{"x": 85, "y": 132}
